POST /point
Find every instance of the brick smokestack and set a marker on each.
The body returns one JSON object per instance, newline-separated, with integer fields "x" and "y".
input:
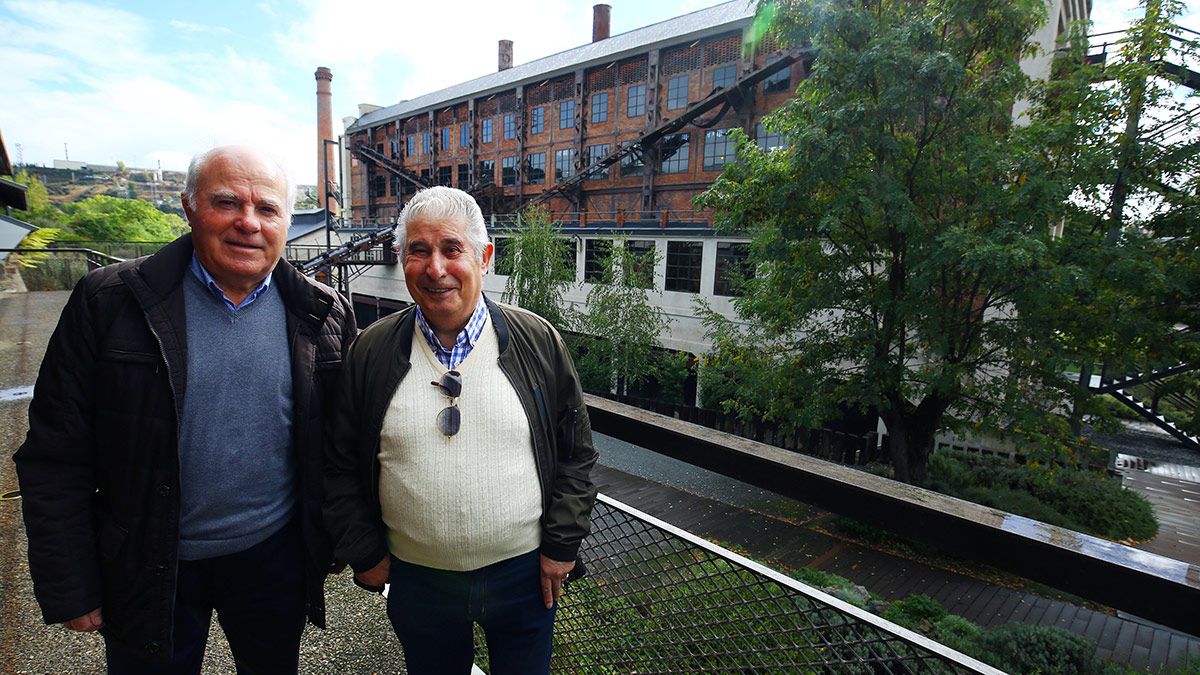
{"x": 601, "y": 14}
{"x": 326, "y": 153}
{"x": 505, "y": 55}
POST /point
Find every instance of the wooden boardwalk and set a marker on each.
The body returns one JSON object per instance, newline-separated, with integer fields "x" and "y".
{"x": 1128, "y": 640}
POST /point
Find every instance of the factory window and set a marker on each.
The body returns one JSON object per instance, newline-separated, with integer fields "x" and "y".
{"x": 395, "y": 145}
{"x": 718, "y": 149}
{"x": 510, "y": 127}
{"x": 487, "y": 171}
{"x": 596, "y": 254}
{"x": 767, "y": 139}
{"x": 394, "y": 185}
{"x": 724, "y": 76}
{"x": 485, "y": 131}
{"x": 464, "y": 134}
{"x": 500, "y": 262}
{"x": 778, "y": 81}
{"x": 732, "y": 267}
{"x": 641, "y": 259}
{"x": 537, "y": 120}
{"x": 632, "y": 164}
{"x": 683, "y": 266}
{"x": 677, "y": 92}
{"x": 674, "y": 150}
{"x": 444, "y": 174}
{"x": 566, "y": 114}
{"x": 410, "y": 146}
{"x": 600, "y": 107}
{"x": 426, "y": 143}
{"x": 508, "y": 170}
{"x": 567, "y": 252}
{"x": 635, "y": 101}
{"x": 535, "y": 168}
{"x": 378, "y": 186}
{"x": 564, "y": 164}
{"x": 464, "y": 176}
{"x": 446, "y": 138}
{"x": 596, "y": 153}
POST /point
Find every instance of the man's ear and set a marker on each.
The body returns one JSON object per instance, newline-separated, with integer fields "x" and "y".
{"x": 487, "y": 254}
{"x": 187, "y": 208}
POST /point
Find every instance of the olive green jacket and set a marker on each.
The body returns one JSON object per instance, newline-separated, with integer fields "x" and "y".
{"x": 535, "y": 360}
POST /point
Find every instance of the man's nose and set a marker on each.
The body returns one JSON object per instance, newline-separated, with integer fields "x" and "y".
{"x": 249, "y": 220}
{"x": 436, "y": 267}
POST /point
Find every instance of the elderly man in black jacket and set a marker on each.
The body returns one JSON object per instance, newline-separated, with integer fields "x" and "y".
{"x": 173, "y": 464}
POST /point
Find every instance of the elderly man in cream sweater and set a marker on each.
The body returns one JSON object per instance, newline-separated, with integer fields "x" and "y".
{"x": 459, "y": 471}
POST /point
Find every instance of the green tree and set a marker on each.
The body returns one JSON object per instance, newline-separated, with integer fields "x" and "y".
{"x": 41, "y": 211}
{"x": 104, "y": 218}
{"x": 540, "y": 266}
{"x": 623, "y": 327}
{"x": 902, "y": 241}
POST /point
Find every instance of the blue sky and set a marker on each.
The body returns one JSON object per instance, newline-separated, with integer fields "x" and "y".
{"x": 144, "y": 82}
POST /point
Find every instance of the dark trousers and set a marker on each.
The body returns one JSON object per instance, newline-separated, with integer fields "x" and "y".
{"x": 433, "y": 610}
{"x": 258, "y": 595}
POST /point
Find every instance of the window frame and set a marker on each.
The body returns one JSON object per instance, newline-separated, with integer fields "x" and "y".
{"x": 674, "y": 164}
{"x": 693, "y": 265}
{"x": 635, "y": 106}
{"x": 676, "y": 87}
{"x": 729, "y": 154}
{"x": 508, "y": 171}
{"x": 600, "y": 107}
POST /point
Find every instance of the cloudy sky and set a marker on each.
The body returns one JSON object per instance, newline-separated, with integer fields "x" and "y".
{"x": 151, "y": 80}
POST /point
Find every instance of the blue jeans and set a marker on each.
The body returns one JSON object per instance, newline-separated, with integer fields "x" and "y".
{"x": 433, "y": 611}
{"x": 259, "y": 598}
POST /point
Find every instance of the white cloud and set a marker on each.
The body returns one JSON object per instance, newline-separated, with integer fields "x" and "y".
{"x": 189, "y": 27}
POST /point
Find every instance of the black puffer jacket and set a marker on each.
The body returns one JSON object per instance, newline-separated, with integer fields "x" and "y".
{"x": 99, "y": 469}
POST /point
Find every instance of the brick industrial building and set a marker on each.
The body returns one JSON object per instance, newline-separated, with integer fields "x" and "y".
{"x": 616, "y": 137}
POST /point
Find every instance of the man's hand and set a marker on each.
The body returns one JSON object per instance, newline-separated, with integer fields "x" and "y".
{"x": 554, "y": 573}
{"x": 374, "y": 578}
{"x": 86, "y": 623}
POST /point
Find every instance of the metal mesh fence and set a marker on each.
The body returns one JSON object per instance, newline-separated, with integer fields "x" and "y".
{"x": 659, "y": 600}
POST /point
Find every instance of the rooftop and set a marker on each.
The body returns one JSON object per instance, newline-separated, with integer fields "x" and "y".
{"x": 695, "y": 24}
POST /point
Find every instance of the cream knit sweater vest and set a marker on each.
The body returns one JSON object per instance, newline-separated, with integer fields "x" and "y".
{"x": 467, "y": 501}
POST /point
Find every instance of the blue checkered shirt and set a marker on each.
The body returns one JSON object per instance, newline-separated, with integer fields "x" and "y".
{"x": 465, "y": 341}
{"x": 211, "y": 284}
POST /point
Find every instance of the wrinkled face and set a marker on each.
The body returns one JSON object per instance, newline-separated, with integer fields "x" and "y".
{"x": 443, "y": 273}
{"x": 239, "y": 223}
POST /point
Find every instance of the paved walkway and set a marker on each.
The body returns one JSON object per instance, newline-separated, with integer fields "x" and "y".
{"x": 782, "y": 532}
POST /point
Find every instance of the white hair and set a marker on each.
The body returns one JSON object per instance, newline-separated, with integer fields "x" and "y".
{"x": 442, "y": 203}
{"x": 191, "y": 183}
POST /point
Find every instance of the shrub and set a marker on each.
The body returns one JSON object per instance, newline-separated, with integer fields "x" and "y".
{"x": 1079, "y": 499}
{"x": 913, "y": 610}
{"x": 1024, "y": 648}
{"x": 956, "y": 633}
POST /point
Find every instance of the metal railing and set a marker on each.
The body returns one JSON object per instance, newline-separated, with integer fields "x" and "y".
{"x": 661, "y": 600}
{"x": 621, "y": 218}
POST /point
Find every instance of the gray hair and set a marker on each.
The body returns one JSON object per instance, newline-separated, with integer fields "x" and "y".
{"x": 191, "y": 183}
{"x": 442, "y": 203}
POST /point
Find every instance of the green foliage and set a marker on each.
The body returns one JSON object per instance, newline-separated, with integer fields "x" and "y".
{"x": 624, "y": 328}
{"x": 1024, "y": 648}
{"x": 111, "y": 218}
{"x": 915, "y": 610}
{"x": 41, "y": 212}
{"x": 540, "y": 270}
{"x": 955, "y": 632}
{"x": 1083, "y": 500}
{"x": 40, "y": 238}
{"x": 902, "y": 240}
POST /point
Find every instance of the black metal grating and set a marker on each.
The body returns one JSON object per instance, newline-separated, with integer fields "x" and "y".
{"x": 660, "y": 601}
{"x": 724, "y": 50}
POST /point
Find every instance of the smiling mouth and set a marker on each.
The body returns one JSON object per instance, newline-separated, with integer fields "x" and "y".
{"x": 439, "y": 291}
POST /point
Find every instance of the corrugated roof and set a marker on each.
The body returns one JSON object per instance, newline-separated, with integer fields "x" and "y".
{"x": 714, "y": 19}
{"x": 305, "y": 222}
